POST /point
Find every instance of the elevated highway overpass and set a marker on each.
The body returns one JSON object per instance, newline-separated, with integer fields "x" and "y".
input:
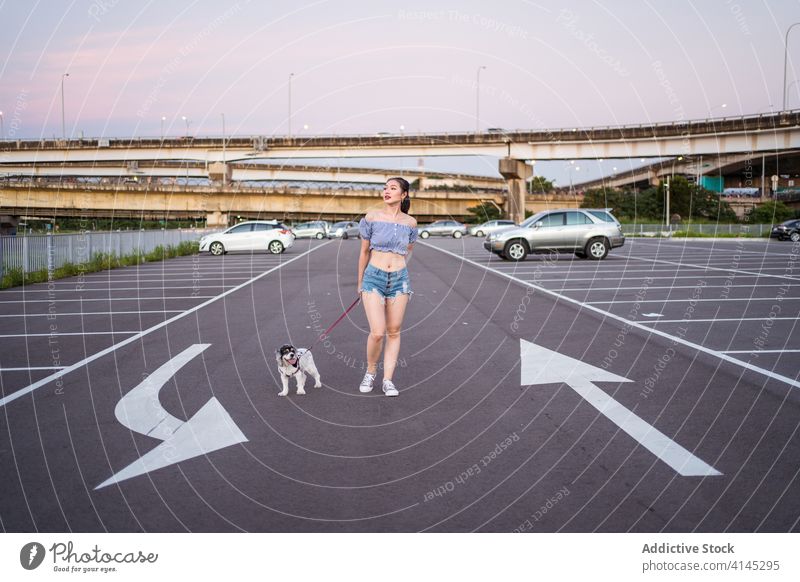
{"x": 749, "y": 135}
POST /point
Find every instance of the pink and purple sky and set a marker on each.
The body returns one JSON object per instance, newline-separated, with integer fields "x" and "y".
{"x": 366, "y": 67}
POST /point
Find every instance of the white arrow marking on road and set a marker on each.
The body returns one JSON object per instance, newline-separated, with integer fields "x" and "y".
{"x": 542, "y": 366}
{"x": 210, "y": 429}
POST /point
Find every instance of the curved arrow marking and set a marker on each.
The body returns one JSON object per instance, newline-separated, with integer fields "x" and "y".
{"x": 210, "y": 429}
{"x": 542, "y": 366}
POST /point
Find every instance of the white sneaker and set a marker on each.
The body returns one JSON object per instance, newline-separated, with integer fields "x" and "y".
{"x": 389, "y": 389}
{"x": 366, "y": 383}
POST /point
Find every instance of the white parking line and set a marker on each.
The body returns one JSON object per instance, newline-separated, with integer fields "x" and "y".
{"x": 32, "y": 369}
{"x": 760, "y": 351}
{"x": 64, "y": 333}
{"x": 690, "y": 266}
{"x": 715, "y": 300}
{"x": 83, "y": 313}
{"x": 739, "y": 363}
{"x": 107, "y": 289}
{"x": 651, "y": 288}
{"x": 44, "y": 381}
{"x": 719, "y": 320}
{"x": 85, "y": 299}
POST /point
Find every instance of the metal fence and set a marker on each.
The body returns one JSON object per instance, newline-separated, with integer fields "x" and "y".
{"x": 50, "y": 251}
{"x": 706, "y": 229}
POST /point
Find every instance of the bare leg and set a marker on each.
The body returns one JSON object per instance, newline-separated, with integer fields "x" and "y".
{"x": 373, "y": 307}
{"x": 395, "y": 310}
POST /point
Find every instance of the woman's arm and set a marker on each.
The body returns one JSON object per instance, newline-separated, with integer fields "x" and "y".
{"x": 363, "y": 260}
{"x": 408, "y": 252}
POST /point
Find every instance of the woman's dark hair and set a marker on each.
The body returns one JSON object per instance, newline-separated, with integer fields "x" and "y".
{"x": 405, "y": 205}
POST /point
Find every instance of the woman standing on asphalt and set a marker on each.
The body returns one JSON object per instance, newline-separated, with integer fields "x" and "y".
{"x": 386, "y": 239}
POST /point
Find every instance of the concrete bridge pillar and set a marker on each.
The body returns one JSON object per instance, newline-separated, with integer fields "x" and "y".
{"x": 219, "y": 171}
{"x": 516, "y": 172}
{"x": 217, "y": 219}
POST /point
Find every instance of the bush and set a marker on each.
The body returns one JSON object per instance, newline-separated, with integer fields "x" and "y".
{"x": 98, "y": 262}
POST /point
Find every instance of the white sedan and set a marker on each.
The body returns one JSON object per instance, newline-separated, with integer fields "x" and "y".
{"x": 255, "y": 235}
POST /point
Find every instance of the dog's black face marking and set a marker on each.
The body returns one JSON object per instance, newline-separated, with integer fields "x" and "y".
{"x": 286, "y": 352}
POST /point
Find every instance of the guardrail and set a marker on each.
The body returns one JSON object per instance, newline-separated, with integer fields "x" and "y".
{"x": 51, "y": 251}
{"x": 706, "y": 229}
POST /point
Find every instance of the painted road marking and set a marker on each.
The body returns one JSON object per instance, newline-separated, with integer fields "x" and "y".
{"x": 61, "y": 333}
{"x": 638, "y": 325}
{"x": 44, "y": 381}
{"x": 85, "y": 299}
{"x": 761, "y": 351}
{"x": 652, "y": 315}
{"x": 84, "y": 313}
{"x": 32, "y": 368}
{"x": 210, "y": 429}
{"x": 539, "y": 365}
{"x": 708, "y": 268}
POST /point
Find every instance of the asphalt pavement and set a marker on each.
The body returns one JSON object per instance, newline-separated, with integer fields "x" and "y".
{"x": 656, "y": 390}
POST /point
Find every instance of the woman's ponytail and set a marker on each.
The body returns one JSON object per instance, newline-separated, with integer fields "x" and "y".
{"x": 405, "y": 205}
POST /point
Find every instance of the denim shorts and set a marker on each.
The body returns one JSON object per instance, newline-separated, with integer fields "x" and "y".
{"x": 387, "y": 284}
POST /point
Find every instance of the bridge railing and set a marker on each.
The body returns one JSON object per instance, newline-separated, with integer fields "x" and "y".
{"x": 51, "y": 251}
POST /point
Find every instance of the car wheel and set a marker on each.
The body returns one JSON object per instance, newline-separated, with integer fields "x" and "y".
{"x": 479, "y": 233}
{"x": 424, "y": 234}
{"x": 515, "y": 250}
{"x": 275, "y": 247}
{"x": 319, "y": 236}
{"x": 580, "y": 255}
{"x": 457, "y": 234}
{"x": 794, "y": 237}
{"x": 344, "y": 236}
{"x": 216, "y": 248}
{"x": 597, "y": 248}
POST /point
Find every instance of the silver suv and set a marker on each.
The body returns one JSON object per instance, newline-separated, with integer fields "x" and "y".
{"x": 588, "y": 232}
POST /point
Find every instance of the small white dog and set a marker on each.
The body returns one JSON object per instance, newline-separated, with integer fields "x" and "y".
{"x": 297, "y": 363}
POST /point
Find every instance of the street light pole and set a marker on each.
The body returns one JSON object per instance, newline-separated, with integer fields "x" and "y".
{"x": 224, "y": 167}
{"x": 478, "y": 99}
{"x": 186, "y": 120}
{"x": 290, "y": 103}
{"x": 63, "y": 125}
{"x": 163, "y": 119}
{"x": 785, "y": 60}
{"x": 2, "y": 128}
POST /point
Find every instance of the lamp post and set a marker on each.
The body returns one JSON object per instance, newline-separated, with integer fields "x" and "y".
{"x": 478, "y": 98}
{"x": 163, "y": 119}
{"x": 186, "y": 121}
{"x": 2, "y": 128}
{"x": 785, "y": 61}
{"x": 63, "y": 125}
{"x": 224, "y": 167}
{"x": 290, "y": 103}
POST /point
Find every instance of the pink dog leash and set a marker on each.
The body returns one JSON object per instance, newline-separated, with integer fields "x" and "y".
{"x": 324, "y": 334}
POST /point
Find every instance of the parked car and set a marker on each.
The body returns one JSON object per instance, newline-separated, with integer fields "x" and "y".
{"x": 318, "y": 229}
{"x": 344, "y": 230}
{"x": 490, "y": 227}
{"x": 581, "y": 231}
{"x": 787, "y": 230}
{"x": 443, "y": 228}
{"x": 254, "y": 235}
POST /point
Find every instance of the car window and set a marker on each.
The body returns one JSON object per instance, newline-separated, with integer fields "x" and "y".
{"x": 577, "y": 218}
{"x": 261, "y": 226}
{"x": 505, "y": 222}
{"x": 554, "y": 219}
{"x": 242, "y": 228}
{"x": 602, "y": 215}
{"x": 302, "y": 225}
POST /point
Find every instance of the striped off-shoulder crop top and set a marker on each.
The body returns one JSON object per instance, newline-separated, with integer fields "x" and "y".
{"x": 389, "y": 237}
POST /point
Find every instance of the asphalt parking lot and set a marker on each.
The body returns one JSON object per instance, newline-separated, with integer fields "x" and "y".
{"x": 656, "y": 390}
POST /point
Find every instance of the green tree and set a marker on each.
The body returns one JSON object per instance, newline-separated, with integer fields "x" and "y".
{"x": 539, "y": 185}
{"x": 483, "y": 212}
{"x": 772, "y": 212}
